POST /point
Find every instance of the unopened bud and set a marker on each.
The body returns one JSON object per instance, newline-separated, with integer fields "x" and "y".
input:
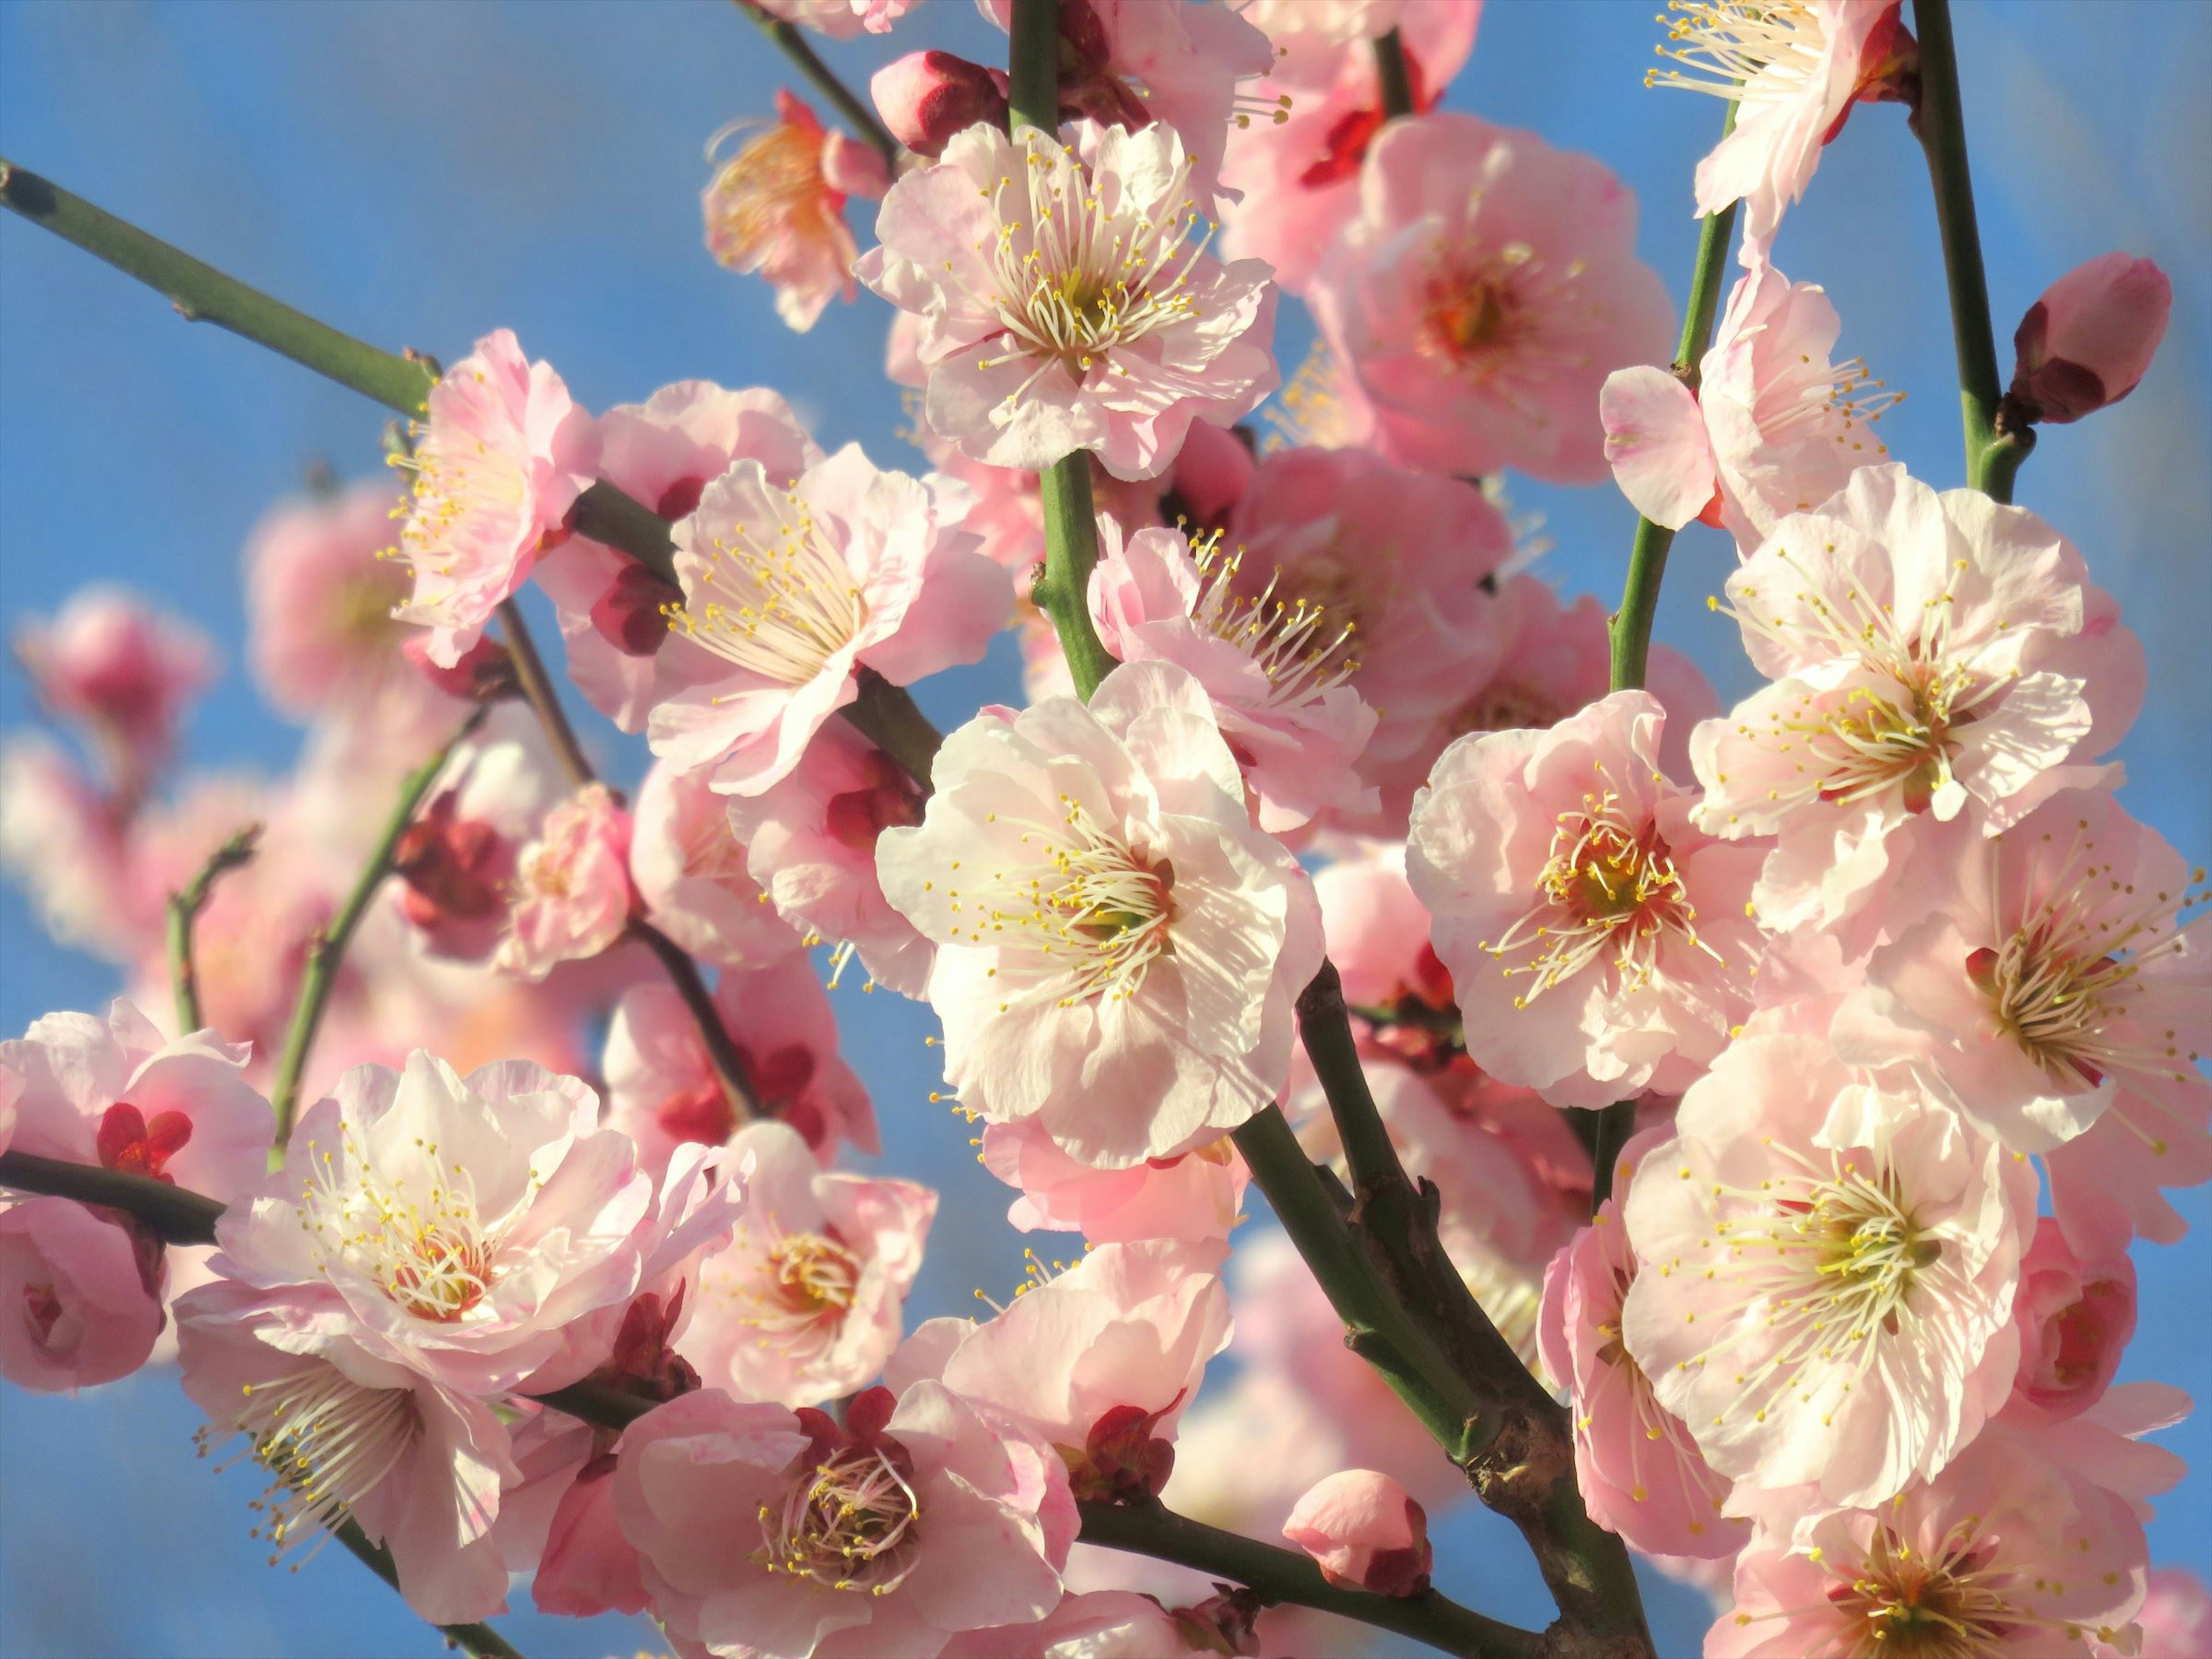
{"x": 2087, "y": 341}
{"x": 927, "y": 96}
{"x": 1365, "y": 1532}
{"x": 632, "y": 615}
{"x": 485, "y": 672}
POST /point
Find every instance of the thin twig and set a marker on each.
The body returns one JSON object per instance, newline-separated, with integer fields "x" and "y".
{"x": 543, "y": 696}
{"x": 722, "y": 1053}
{"x": 1393, "y": 75}
{"x": 479, "y": 1641}
{"x": 184, "y": 908}
{"x": 857, "y": 114}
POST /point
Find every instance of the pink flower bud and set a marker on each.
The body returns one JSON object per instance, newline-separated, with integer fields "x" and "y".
{"x": 927, "y": 96}
{"x": 1366, "y": 1533}
{"x": 480, "y": 674}
{"x": 2074, "y": 1317}
{"x": 2087, "y": 341}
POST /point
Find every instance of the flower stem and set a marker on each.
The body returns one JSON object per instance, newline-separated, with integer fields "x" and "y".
{"x": 722, "y": 1053}
{"x": 1277, "y": 1576}
{"x": 1033, "y": 66}
{"x": 326, "y": 950}
{"x": 543, "y": 697}
{"x": 1071, "y": 552}
{"x": 176, "y": 1216}
{"x": 185, "y": 909}
{"x": 858, "y": 115}
{"x": 1391, "y": 72}
{"x": 886, "y": 717}
{"x": 1941, "y": 123}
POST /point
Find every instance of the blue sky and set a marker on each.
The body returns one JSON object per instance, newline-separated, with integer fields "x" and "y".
{"x": 418, "y": 174}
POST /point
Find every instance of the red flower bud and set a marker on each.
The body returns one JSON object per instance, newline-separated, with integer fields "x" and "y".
{"x": 927, "y": 96}
{"x": 2087, "y": 341}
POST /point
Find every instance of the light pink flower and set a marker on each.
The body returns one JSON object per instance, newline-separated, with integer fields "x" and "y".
{"x": 122, "y": 671}
{"x": 777, "y": 208}
{"x": 2009, "y": 1554}
{"x": 573, "y": 893}
{"x": 803, "y": 1304}
{"x": 1826, "y": 1263}
{"x": 2090, "y": 337}
{"x": 500, "y": 459}
{"x": 1486, "y": 286}
{"x": 840, "y": 19}
{"x": 689, "y": 871}
{"x": 1100, "y": 1361}
{"x": 1103, "y": 1625}
{"x": 1931, "y": 655}
{"x": 1195, "y": 1196}
{"x": 456, "y": 862}
{"x": 766, "y": 1533}
{"x": 1596, "y": 939}
{"x": 1063, "y": 307}
{"x": 614, "y": 612}
{"x": 2176, "y": 1618}
{"x": 2075, "y": 1317}
{"x": 1366, "y": 1532}
{"x": 1144, "y": 942}
{"x": 662, "y": 1091}
{"x": 811, "y": 844}
{"x": 1795, "y": 71}
{"x": 64, "y": 841}
{"x": 1298, "y": 169}
{"x": 1640, "y": 1471}
{"x": 1276, "y": 667}
{"x": 1776, "y": 426}
{"x": 345, "y": 1431}
{"x": 2044, "y": 975}
{"x": 1376, "y": 930}
{"x": 82, "y": 1294}
{"x": 798, "y": 589}
{"x": 456, "y": 1224}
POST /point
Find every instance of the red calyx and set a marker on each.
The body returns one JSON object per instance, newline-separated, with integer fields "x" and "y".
{"x": 888, "y": 797}
{"x": 1347, "y": 146}
{"x": 130, "y": 1145}
{"x": 1122, "y": 1459}
{"x": 454, "y": 868}
{"x": 632, "y": 615}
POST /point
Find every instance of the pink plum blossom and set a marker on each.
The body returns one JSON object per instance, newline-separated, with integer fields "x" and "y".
{"x": 121, "y": 670}
{"x": 2090, "y": 337}
{"x": 840, "y": 19}
{"x": 798, "y": 590}
{"x": 926, "y": 97}
{"x": 1102, "y": 1625}
{"x": 662, "y": 1089}
{"x": 1100, "y": 1361}
{"x": 2009, "y": 1553}
{"x": 1827, "y": 1261}
{"x": 1366, "y": 1532}
{"x": 348, "y": 1431}
{"x": 1486, "y": 288}
{"x": 689, "y": 872}
{"x": 803, "y": 1306}
{"x": 2075, "y": 1317}
{"x": 1794, "y": 72}
{"x": 573, "y": 893}
{"x": 65, "y": 841}
{"x": 457, "y": 1224}
{"x": 2176, "y": 1618}
{"x": 614, "y": 612}
{"x": 2044, "y": 975}
{"x": 1775, "y": 427}
{"x": 1596, "y": 939}
{"x": 499, "y": 458}
{"x": 1062, "y": 306}
{"x": 82, "y": 1294}
{"x": 1195, "y": 1196}
{"x": 456, "y": 862}
{"x": 765, "y": 1532}
{"x": 1275, "y": 667}
{"x": 1640, "y": 1471}
{"x": 1931, "y": 655}
{"x": 1298, "y": 169}
{"x": 777, "y": 208}
{"x": 1146, "y": 942}
{"x": 811, "y": 844}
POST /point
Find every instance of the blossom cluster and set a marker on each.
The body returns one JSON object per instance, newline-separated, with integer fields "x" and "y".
{"x": 1870, "y": 963}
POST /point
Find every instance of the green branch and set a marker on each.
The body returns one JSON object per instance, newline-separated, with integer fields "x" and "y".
{"x": 1070, "y": 554}
{"x": 184, "y": 908}
{"x": 855, "y": 111}
{"x": 1277, "y": 1576}
{"x": 327, "y": 949}
{"x": 1993, "y": 457}
{"x": 1033, "y": 66}
{"x": 1393, "y": 75}
{"x": 887, "y": 717}
{"x": 177, "y": 1217}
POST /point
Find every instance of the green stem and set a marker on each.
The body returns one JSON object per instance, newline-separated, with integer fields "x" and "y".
{"x": 479, "y": 1641}
{"x": 1941, "y": 123}
{"x": 185, "y": 909}
{"x": 1391, "y": 73}
{"x": 544, "y": 697}
{"x": 1279, "y": 1575}
{"x": 1071, "y": 553}
{"x": 327, "y": 949}
{"x": 887, "y": 717}
{"x": 178, "y": 1216}
{"x": 1033, "y": 66}
{"x": 722, "y": 1052}
{"x": 606, "y": 515}
{"x": 858, "y": 115}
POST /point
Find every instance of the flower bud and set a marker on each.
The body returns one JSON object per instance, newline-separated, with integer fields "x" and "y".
{"x": 2075, "y": 1317}
{"x": 927, "y": 96}
{"x": 2087, "y": 341}
{"x": 1365, "y": 1532}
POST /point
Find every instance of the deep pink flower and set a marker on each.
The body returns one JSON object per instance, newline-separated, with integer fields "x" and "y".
{"x": 1366, "y": 1532}
{"x": 573, "y": 893}
{"x": 2087, "y": 341}
{"x": 1195, "y": 1196}
{"x": 499, "y": 458}
{"x": 1062, "y": 305}
{"x": 1486, "y": 286}
{"x": 689, "y": 871}
{"x": 765, "y": 1532}
{"x": 122, "y": 671}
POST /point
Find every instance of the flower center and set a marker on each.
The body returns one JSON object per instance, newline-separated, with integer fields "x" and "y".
{"x": 847, "y": 1523}
{"x": 326, "y": 1442}
{"x": 1759, "y": 51}
{"x": 1503, "y": 316}
{"x": 1902, "y": 1602}
{"x": 1287, "y": 639}
{"x": 1812, "y": 397}
{"x": 765, "y": 193}
{"x": 811, "y": 1276}
{"x": 779, "y": 599}
{"x": 418, "y": 1235}
{"x": 1609, "y": 888}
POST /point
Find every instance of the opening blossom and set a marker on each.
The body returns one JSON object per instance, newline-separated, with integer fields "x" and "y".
{"x": 798, "y": 589}
{"x": 2089, "y": 339}
{"x": 1118, "y": 948}
{"x": 573, "y": 893}
{"x": 500, "y": 456}
{"x": 1063, "y": 304}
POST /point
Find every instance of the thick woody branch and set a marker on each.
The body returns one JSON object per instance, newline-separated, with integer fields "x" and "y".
{"x": 184, "y": 908}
